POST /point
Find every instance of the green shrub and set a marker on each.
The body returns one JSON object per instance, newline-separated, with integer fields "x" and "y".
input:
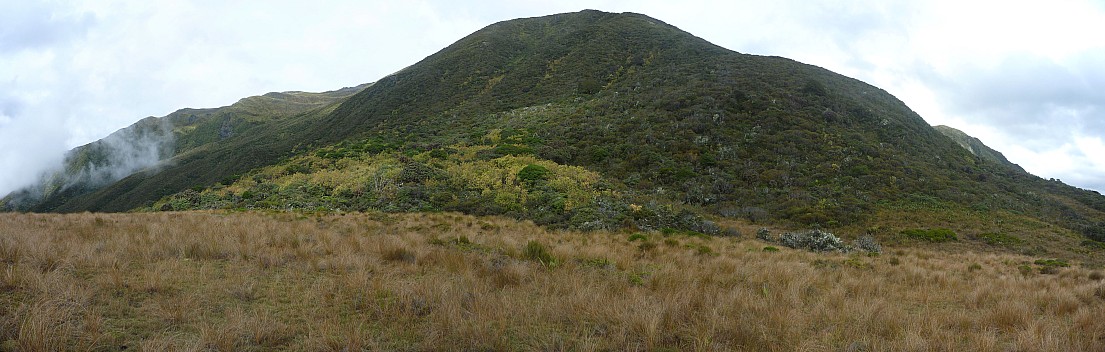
{"x": 1025, "y": 269}
{"x": 770, "y": 249}
{"x": 417, "y": 172}
{"x": 1051, "y": 266}
{"x": 511, "y": 149}
{"x": 638, "y": 237}
{"x": 589, "y": 86}
{"x": 931, "y": 235}
{"x": 1052, "y": 262}
{"x": 999, "y": 239}
{"x": 533, "y": 173}
{"x": 439, "y": 154}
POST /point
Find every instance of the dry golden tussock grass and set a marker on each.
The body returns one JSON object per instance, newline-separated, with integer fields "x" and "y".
{"x": 272, "y": 281}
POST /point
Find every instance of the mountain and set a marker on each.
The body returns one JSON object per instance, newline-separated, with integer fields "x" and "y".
{"x": 976, "y": 147}
{"x": 599, "y": 120}
{"x": 153, "y": 141}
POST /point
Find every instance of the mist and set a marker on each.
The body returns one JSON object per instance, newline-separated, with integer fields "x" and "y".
{"x": 146, "y": 145}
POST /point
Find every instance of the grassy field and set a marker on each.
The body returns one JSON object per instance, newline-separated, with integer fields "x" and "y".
{"x": 284, "y": 281}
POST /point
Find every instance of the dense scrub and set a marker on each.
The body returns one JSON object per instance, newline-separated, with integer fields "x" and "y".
{"x": 500, "y": 177}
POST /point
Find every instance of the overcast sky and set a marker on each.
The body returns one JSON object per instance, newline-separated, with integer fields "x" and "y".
{"x": 1026, "y": 77}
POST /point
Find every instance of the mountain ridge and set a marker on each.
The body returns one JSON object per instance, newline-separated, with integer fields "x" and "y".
{"x": 668, "y": 120}
{"x": 976, "y": 147}
{"x": 155, "y": 140}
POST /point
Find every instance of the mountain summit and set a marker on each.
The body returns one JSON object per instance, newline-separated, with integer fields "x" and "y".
{"x": 976, "y": 147}
{"x": 604, "y": 120}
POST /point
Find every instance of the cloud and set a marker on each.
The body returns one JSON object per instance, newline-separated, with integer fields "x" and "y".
{"x": 9, "y": 107}
{"x": 1045, "y": 111}
{"x": 35, "y": 24}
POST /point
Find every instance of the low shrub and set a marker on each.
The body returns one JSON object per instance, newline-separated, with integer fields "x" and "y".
{"x": 731, "y": 232}
{"x": 638, "y": 237}
{"x": 1025, "y": 269}
{"x": 1052, "y": 262}
{"x": 999, "y": 239}
{"x": 706, "y": 227}
{"x": 931, "y": 235}
{"x": 814, "y": 240}
{"x": 770, "y": 249}
{"x": 868, "y": 244}
{"x": 1051, "y": 266}
{"x": 764, "y": 234}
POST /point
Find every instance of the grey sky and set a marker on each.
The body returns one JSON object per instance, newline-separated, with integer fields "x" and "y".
{"x": 1026, "y": 77}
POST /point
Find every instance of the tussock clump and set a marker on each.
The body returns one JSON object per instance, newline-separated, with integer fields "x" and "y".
{"x": 537, "y": 252}
{"x": 399, "y": 254}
